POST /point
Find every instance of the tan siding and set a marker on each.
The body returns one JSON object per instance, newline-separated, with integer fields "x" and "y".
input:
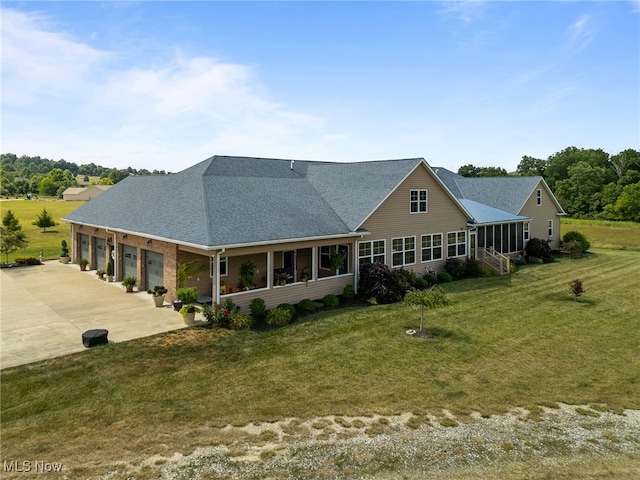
{"x": 393, "y": 218}
{"x": 541, "y": 214}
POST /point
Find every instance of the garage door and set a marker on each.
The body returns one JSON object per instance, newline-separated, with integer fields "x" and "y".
{"x": 129, "y": 261}
{"x": 84, "y": 246}
{"x": 153, "y": 272}
{"x": 101, "y": 254}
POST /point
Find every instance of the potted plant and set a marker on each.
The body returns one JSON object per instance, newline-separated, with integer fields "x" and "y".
{"x": 336, "y": 260}
{"x": 185, "y": 296}
{"x": 128, "y": 283}
{"x": 83, "y": 262}
{"x": 158, "y": 294}
{"x": 109, "y": 272}
{"x": 188, "y": 313}
{"x": 100, "y": 274}
{"x": 64, "y": 252}
{"x": 247, "y": 274}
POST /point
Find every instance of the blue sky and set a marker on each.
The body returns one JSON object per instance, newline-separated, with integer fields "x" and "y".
{"x": 164, "y": 85}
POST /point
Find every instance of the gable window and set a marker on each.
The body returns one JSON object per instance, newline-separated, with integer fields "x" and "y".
{"x": 549, "y": 228}
{"x": 456, "y": 244}
{"x": 371, "y": 252}
{"x": 539, "y": 197}
{"x": 223, "y": 266}
{"x": 525, "y": 231}
{"x": 403, "y": 251}
{"x": 431, "y": 247}
{"x": 418, "y": 202}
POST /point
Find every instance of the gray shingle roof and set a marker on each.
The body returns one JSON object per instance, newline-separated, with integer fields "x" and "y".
{"x": 226, "y": 201}
{"x": 503, "y": 193}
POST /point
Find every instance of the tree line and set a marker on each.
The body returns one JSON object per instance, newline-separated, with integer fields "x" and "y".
{"x": 588, "y": 183}
{"x": 26, "y": 175}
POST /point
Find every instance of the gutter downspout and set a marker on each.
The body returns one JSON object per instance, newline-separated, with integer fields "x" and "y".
{"x": 220, "y": 252}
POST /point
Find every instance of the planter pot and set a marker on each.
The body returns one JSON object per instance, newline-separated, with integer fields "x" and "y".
{"x": 65, "y": 260}
{"x": 189, "y": 318}
{"x": 109, "y": 278}
{"x": 83, "y": 268}
{"x": 177, "y": 305}
{"x": 129, "y": 289}
{"x": 159, "y": 301}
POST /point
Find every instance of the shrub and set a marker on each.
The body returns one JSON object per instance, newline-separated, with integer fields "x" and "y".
{"x": 349, "y": 291}
{"x": 220, "y": 313}
{"x": 430, "y": 278}
{"x": 454, "y": 267}
{"x": 289, "y": 307}
{"x": 488, "y": 272}
{"x": 472, "y": 268}
{"x": 330, "y": 300}
{"x": 27, "y": 261}
{"x": 421, "y": 283}
{"x": 573, "y": 246}
{"x": 377, "y": 281}
{"x": 537, "y": 248}
{"x": 279, "y": 317}
{"x": 306, "y": 305}
{"x": 575, "y": 287}
{"x": 573, "y": 236}
{"x": 187, "y": 295}
{"x": 257, "y": 308}
{"x": 444, "y": 277}
{"x": 240, "y": 321}
{"x": 64, "y": 249}
{"x": 405, "y": 279}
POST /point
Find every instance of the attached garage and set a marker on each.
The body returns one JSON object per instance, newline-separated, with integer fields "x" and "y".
{"x": 129, "y": 261}
{"x": 154, "y": 266}
{"x": 101, "y": 254}
{"x": 84, "y": 246}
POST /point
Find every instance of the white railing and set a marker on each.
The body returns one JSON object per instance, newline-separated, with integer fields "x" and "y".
{"x": 495, "y": 260}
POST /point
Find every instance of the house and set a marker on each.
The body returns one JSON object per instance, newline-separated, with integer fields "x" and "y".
{"x": 85, "y": 194}
{"x": 291, "y": 218}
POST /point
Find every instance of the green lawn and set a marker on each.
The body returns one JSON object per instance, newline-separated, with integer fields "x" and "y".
{"x": 504, "y": 342}
{"x": 27, "y": 211}
{"x": 606, "y": 234}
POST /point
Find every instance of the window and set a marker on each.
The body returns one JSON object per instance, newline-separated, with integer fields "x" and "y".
{"x": 418, "y": 203}
{"x": 371, "y": 252}
{"x": 431, "y": 247}
{"x": 456, "y": 244}
{"x": 223, "y": 267}
{"x": 403, "y": 251}
{"x": 333, "y": 255}
{"x": 526, "y": 231}
{"x": 539, "y": 197}
{"x": 549, "y": 228}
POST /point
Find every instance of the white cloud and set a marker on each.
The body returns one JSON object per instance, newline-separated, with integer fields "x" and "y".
{"x": 581, "y": 33}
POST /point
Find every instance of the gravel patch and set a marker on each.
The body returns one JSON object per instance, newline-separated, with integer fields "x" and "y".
{"x": 402, "y": 446}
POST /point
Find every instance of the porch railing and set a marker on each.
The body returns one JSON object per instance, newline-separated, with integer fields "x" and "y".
{"x": 495, "y": 260}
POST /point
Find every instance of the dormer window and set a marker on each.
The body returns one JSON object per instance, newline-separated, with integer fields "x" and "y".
{"x": 418, "y": 201}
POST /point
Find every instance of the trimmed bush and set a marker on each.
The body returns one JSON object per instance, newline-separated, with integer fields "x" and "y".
{"x": 472, "y": 268}
{"x": 573, "y": 236}
{"x": 454, "y": 267}
{"x": 349, "y": 292}
{"x": 444, "y": 277}
{"x": 240, "y": 321}
{"x": 306, "y": 305}
{"x": 187, "y": 295}
{"x": 378, "y": 281}
{"x": 27, "y": 261}
{"x": 257, "y": 308}
{"x": 430, "y": 278}
{"x": 405, "y": 279}
{"x": 537, "y": 248}
{"x": 279, "y": 317}
{"x": 421, "y": 283}
{"x": 330, "y": 300}
{"x": 289, "y": 307}
{"x": 488, "y": 272}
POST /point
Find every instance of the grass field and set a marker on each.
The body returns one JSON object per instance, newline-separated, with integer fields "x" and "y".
{"x": 504, "y": 342}
{"x": 606, "y": 234}
{"x": 27, "y": 211}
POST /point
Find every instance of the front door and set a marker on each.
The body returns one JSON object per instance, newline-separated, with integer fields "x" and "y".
{"x": 472, "y": 245}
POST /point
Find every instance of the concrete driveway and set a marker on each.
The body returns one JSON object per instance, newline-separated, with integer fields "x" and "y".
{"x": 45, "y": 309}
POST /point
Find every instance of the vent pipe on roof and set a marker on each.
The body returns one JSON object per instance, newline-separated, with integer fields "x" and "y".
{"x": 291, "y": 166}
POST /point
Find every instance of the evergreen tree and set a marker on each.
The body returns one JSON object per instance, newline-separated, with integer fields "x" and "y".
{"x": 12, "y": 238}
{"x": 44, "y": 220}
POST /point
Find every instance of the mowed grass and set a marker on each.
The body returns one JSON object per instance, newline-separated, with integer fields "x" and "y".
{"x": 504, "y": 342}
{"x": 606, "y": 234}
{"x": 27, "y": 211}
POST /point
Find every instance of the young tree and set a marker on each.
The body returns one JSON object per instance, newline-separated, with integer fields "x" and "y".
{"x": 12, "y": 238}
{"x": 575, "y": 287}
{"x": 432, "y": 298}
{"x": 44, "y": 220}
